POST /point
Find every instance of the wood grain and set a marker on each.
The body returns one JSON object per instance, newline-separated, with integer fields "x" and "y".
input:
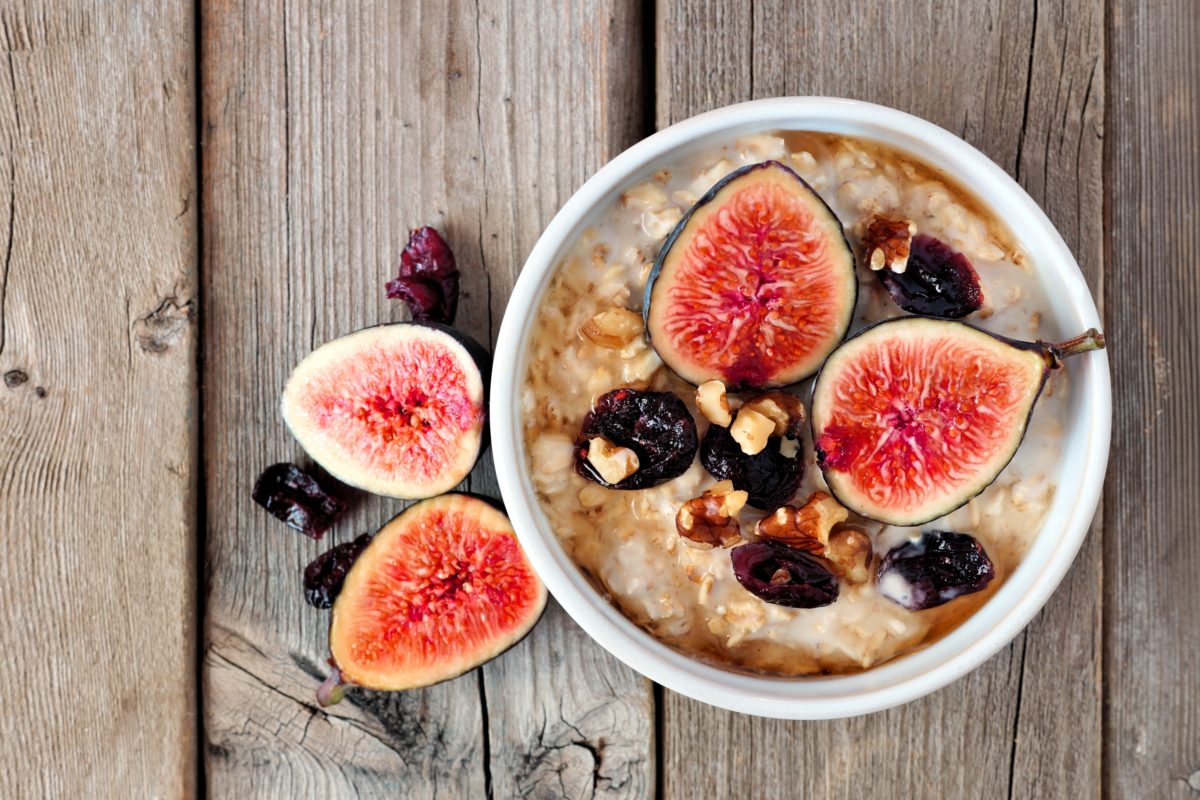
{"x": 1152, "y": 551}
{"x": 329, "y": 131}
{"x": 98, "y": 400}
{"x": 1024, "y": 84}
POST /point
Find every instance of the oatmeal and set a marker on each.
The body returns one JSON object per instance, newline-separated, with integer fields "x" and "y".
{"x": 661, "y": 553}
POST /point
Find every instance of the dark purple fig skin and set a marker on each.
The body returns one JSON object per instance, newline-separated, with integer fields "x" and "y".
{"x": 938, "y": 282}
{"x": 294, "y": 496}
{"x": 939, "y": 567}
{"x": 655, "y": 425}
{"x": 325, "y": 574}
{"x": 770, "y": 477}
{"x": 708, "y": 198}
{"x": 810, "y": 584}
{"x": 1054, "y": 355}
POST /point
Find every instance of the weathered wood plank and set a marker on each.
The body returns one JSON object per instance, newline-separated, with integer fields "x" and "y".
{"x": 1152, "y": 551}
{"x": 1025, "y": 85}
{"x": 98, "y": 402}
{"x": 329, "y": 131}
{"x": 565, "y": 719}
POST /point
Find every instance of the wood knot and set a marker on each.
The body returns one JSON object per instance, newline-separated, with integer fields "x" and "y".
{"x": 15, "y": 377}
{"x": 164, "y": 327}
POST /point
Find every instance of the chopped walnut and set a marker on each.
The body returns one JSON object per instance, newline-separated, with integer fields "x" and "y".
{"x": 713, "y": 403}
{"x": 886, "y": 243}
{"x": 613, "y": 328}
{"x": 783, "y": 409}
{"x": 614, "y": 463}
{"x": 710, "y": 520}
{"x": 849, "y": 553}
{"x": 751, "y": 430}
{"x": 806, "y": 528}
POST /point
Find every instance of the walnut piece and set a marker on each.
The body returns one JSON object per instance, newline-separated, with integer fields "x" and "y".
{"x": 886, "y": 243}
{"x": 614, "y": 463}
{"x": 613, "y": 328}
{"x": 849, "y": 553}
{"x": 783, "y": 409}
{"x": 713, "y": 403}
{"x": 806, "y": 528}
{"x": 751, "y": 430}
{"x": 710, "y": 520}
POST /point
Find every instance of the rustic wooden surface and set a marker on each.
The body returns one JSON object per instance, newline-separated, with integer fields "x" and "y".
{"x": 98, "y": 402}
{"x": 1152, "y": 289}
{"x": 327, "y": 130}
{"x": 327, "y": 135}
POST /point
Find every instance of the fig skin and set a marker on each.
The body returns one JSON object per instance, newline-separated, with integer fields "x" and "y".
{"x": 681, "y": 226}
{"x": 1053, "y": 356}
{"x": 478, "y": 356}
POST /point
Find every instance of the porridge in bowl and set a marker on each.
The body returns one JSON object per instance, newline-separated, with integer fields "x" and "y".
{"x": 672, "y": 447}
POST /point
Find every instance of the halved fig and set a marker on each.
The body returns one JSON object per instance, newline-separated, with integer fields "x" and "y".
{"x": 441, "y": 589}
{"x": 914, "y": 416}
{"x": 397, "y": 410}
{"x": 756, "y": 284}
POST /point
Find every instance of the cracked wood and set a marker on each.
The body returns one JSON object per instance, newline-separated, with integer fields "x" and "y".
{"x": 330, "y": 130}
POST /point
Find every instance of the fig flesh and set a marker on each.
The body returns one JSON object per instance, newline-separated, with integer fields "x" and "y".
{"x": 756, "y": 284}
{"x": 397, "y": 410}
{"x": 442, "y": 588}
{"x": 914, "y": 416}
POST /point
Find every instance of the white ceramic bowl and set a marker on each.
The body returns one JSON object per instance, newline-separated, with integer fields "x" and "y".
{"x": 1084, "y": 451}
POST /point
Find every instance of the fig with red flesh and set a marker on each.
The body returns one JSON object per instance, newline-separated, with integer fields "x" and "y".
{"x": 914, "y": 416}
{"x": 397, "y": 410}
{"x": 756, "y": 284}
{"x": 441, "y": 589}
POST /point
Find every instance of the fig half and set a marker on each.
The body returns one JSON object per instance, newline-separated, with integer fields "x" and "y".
{"x": 756, "y": 284}
{"x": 441, "y": 589}
{"x": 397, "y": 410}
{"x": 914, "y": 416}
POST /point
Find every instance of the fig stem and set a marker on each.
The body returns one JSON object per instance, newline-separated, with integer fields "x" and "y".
{"x": 1091, "y": 339}
{"x": 333, "y": 689}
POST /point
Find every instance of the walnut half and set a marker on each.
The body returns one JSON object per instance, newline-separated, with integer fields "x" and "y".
{"x": 783, "y": 409}
{"x": 814, "y": 529}
{"x": 886, "y": 243}
{"x": 710, "y": 520}
{"x": 806, "y": 528}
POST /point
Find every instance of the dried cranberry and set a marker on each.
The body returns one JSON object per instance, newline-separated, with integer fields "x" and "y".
{"x": 938, "y": 281}
{"x": 295, "y": 497}
{"x": 323, "y": 578}
{"x": 783, "y": 575}
{"x": 655, "y": 425}
{"x": 428, "y": 280}
{"x": 935, "y": 569}
{"x": 769, "y": 476}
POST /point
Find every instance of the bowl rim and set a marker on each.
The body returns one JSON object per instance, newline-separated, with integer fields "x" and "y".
{"x": 900, "y": 680}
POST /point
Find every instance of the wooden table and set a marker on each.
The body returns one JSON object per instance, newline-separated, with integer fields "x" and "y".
{"x": 192, "y": 198}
